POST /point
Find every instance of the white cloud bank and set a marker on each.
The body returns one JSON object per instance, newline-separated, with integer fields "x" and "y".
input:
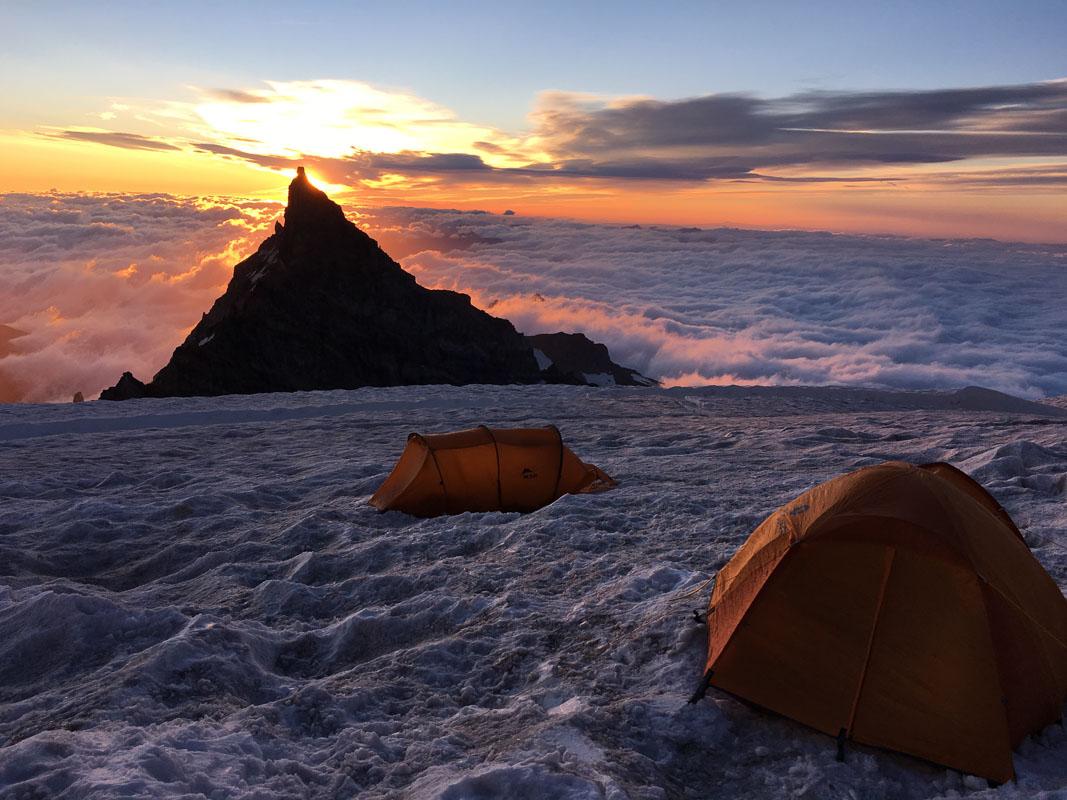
{"x": 755, "y": 307}
{"x": 106, "y": 283}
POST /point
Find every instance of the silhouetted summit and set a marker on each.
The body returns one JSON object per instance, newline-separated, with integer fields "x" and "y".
{"x": 320, "y": 306}
{"x": 310, "y": 211}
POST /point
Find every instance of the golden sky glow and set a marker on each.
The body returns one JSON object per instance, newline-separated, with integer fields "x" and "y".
{"x": 30, "y": 162}
{"x": 629, "y": 159}
{"x": 328, "y": 118}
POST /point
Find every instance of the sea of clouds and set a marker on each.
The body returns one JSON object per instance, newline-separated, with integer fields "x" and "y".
{"x": 722, "y": 306}
{"x": 100, "y": 284}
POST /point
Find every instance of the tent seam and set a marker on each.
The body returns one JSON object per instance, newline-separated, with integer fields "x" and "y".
{"x": 437, "y": 466}
{"x": 982, "y": 584}
{"x": 559, "y": 469}
{"x": 496, "y": 448}
{"x": 786, "y": 553}
{"x": 870, "y": 639}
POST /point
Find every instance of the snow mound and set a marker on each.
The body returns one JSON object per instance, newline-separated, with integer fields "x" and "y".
{"x": 66, "y": 634}
{"x": 534, "y": 782}
{"x": 1023, "y": 464}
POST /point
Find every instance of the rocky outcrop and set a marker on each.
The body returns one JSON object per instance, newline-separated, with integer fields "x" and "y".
{"x": 321, "y": 306}
{"x": 128, "y": 388}
{"x": 584, "y": 361}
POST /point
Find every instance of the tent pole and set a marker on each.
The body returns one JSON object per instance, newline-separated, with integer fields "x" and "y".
{"x": 870, "y": 646}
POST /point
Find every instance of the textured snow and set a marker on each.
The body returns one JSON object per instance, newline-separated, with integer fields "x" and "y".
{"x": 196, "y": 600}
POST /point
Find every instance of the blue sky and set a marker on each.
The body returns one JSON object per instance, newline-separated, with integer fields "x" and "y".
{"x": 488, "y": 60}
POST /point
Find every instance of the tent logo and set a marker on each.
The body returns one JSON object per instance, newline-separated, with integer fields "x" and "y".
{"x": 528, "y": 473}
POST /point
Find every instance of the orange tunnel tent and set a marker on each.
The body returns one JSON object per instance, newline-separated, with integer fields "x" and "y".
{"x": 504, "y": 469}
{"x": 896, "y": 606}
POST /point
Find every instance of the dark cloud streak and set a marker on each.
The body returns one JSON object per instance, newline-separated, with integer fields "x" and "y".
{"x": 742, "y": 137}
{"x": 127, "y": 141}
{"x": 236, "y": 96}
{"x": 812, "y": 136}
{"x": 814, "y": 128}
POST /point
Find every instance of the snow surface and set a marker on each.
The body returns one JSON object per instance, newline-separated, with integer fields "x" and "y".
{"x": 196, "y": 600}
{"x": 543, "y": 361}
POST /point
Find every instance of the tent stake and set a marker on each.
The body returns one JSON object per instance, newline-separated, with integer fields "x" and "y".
{"x": 702, "y": 689}
{"x": 841, "y": 744}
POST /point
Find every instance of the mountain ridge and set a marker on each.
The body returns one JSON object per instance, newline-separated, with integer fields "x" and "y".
{"x": 320, "y": 305}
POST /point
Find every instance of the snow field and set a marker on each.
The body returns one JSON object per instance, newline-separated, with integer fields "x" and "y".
{"x": 195, "y": 599}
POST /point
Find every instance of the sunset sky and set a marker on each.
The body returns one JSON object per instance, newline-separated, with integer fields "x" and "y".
{"x": 931, "y": 119}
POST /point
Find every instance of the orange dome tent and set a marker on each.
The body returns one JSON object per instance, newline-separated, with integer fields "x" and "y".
{"x": 898, "y": 607}
{"x": 516, "y": 469}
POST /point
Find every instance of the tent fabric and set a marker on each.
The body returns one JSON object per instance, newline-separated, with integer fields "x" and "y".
{"x": 897, "y": 606}
{"x": 483, "y": 469}
{"x": 970, "y": 486}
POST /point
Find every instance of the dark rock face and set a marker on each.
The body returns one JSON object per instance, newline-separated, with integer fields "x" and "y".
{"x": 321, "y": 306}
{"x": 585, "y": 361}
{"x": 127, "y": 388}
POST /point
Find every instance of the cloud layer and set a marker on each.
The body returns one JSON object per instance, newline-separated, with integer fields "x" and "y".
{"x": 105, "y": 283}
{"x": 99, "y": 284}
{"x": 726, "y": 306}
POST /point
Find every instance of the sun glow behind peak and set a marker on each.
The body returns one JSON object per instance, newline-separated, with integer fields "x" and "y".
{"x": 333, "y": 119}
{"x": 319, "y": 182}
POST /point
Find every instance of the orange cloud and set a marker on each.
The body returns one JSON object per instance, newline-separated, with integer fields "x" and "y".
{"x": 98, "y": 284}
{"x": 973, "y": 161}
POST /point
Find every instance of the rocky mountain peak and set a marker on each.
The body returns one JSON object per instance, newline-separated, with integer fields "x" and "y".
{"x": 321, "y": 306}
{"x": 310, "y": 208}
